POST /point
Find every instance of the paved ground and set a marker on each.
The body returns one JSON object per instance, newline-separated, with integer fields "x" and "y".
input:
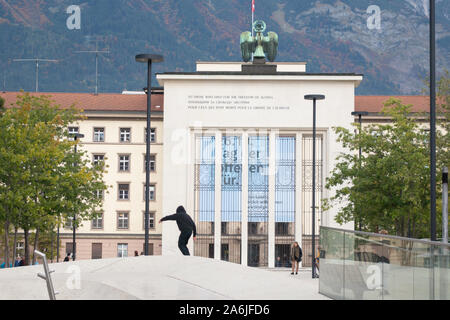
{"x": 161, "y": 278}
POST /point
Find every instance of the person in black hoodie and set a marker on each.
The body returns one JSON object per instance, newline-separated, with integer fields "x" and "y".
{"x": 186, "y": 226}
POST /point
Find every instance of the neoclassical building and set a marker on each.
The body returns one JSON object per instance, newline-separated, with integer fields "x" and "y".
{"x": 234, "y": 147}
{"x": 114, "y": 132}
{"x": 238, "y": 155}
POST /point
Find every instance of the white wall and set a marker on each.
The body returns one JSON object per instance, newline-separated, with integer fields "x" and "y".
{"x": 287, "y": 92}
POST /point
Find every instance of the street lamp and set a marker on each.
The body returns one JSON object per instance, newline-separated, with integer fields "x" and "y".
{"x": 433, "y": 119}
{"x": 314, "y": 97}
{"x": 360, "y": 114}
{"x": 148, "y": 58}
{"x": 76, "y": 136}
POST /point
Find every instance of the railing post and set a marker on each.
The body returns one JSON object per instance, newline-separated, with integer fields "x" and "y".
{"x": 47, "y": 276}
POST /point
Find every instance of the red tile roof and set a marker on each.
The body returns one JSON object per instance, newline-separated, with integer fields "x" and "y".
{"x": 130, "y": 102}
{"x": 100, "y": 102}
{"x": 374, "y": 104}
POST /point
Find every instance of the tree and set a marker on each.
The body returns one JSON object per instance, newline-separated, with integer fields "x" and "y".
{"x": 39, "y": 181}
{"x": 2, "y": 105}
{"x": 443, "y": 121}
{"x": 389, "y": 187}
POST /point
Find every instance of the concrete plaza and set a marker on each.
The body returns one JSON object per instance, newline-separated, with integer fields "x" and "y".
{"x": 172, "y": 277}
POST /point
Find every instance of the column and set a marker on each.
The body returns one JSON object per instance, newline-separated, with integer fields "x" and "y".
{"x": 190, "y": 165}
{"x": 244, "y": 224}
{"x": 298, "y": 188}
{"x": 218, "y": 196}
{"x": 271, "y": 225}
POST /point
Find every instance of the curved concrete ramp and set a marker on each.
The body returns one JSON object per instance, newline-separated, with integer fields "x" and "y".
{"x": 159, "y": 278}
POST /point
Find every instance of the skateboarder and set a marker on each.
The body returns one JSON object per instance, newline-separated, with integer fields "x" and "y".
{"x": 186, "y": 226}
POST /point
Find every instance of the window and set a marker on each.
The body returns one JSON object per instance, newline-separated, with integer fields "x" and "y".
{"x": 152, "y": 135}
{"x": 252, "y": 228}
{"x": 150, "y": 249}
{"x": 20, "y": 246}
{"x": 152, "y": 163}
{"x": 99, "y": 134}
{"x": 125, "y": 134}
{"x": 72, "y": 131}
{"x": 122, "y": 250}
{"x": 69, "y": 224}
{"x": 97, "y": 159}
{"x": 97, "y": 223}
{"x": 69, "y": 247}
{"x": 223, "y": 226}
{"x": 122, "y": 220}
{"x": 96, "y": 251}
{"x": 152, "y": 191}
{"x": 124, "y": 162}
{"x": 99, "y": 194}
{"x": 124, "y": 191}
{"x": 151, "y": 220}
{"x": 281, "y": 228}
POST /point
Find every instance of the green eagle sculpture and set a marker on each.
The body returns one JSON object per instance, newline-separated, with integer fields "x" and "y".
{"x": 260, "y": 46}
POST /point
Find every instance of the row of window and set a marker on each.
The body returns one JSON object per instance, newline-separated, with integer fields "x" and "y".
{"x": 97, "y": 249}
{"x": 122, "y": 221}
{"x": 124, "y": 134}
{"x": 124, "y": 192}
{"x": 124, "y": 161}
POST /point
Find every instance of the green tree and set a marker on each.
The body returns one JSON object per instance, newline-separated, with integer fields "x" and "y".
{"x": 41, "y": 177}
{"x": 2, "y": 105}
{"x": 389, "y": 187}
{"x": 443, "y": 122}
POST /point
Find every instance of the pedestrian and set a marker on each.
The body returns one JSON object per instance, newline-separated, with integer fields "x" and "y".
{"x": 186, "y": 226}
{"x": 296, "y": 256}
{"x": 22, "y": 262}
{"x": 17, "y": 261}
{"x": 278, "y": 262}
{"x": 67, "y": 258}
{"x": 136, "y": 253}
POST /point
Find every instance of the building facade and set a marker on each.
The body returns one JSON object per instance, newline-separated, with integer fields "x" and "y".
{"x": 114, "y": 133}
{"x": 238, "y": 154}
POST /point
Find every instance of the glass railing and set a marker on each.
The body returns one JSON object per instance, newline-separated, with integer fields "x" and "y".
{"x": 357, "y": 265}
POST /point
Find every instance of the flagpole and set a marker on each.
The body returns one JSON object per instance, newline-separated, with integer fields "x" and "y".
{"x": 253, "y": 15}
{"x": 253, "y": 19}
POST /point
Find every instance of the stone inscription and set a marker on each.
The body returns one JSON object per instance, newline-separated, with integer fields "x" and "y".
{"x": 234, "y": 103}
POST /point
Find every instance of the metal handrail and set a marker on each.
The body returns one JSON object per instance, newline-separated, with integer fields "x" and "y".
{"x": 47, "y": 276}
{"x": 434, "y": 243}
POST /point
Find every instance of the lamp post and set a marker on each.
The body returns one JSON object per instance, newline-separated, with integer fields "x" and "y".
{"x": 76, "y": 136}
{"x": 314, "y": 98}
{"x": 433, "y": 119}
{"x": 148, "y": 58}
{"x": 360, "y": 114}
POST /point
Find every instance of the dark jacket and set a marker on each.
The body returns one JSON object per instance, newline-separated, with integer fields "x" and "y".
{"x": 184, "y": 221}
{"x": 296, "y": 253}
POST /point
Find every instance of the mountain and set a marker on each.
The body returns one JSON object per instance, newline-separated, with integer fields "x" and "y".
{"x": 330, "y": 35}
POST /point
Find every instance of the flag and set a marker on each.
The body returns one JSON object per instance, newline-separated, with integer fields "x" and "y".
{"x": 253, "y": 5}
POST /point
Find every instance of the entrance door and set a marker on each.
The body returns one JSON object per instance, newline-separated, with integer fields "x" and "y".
{"x": 253, "y": 255}
{"x": 282, "y": 255}
{"x": 96, "y": 251}
{"x": 225, "y": 252}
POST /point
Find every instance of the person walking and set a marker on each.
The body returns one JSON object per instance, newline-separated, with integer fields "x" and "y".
{"x": 186, "y": 226}
{"x": 296, "y": 256}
